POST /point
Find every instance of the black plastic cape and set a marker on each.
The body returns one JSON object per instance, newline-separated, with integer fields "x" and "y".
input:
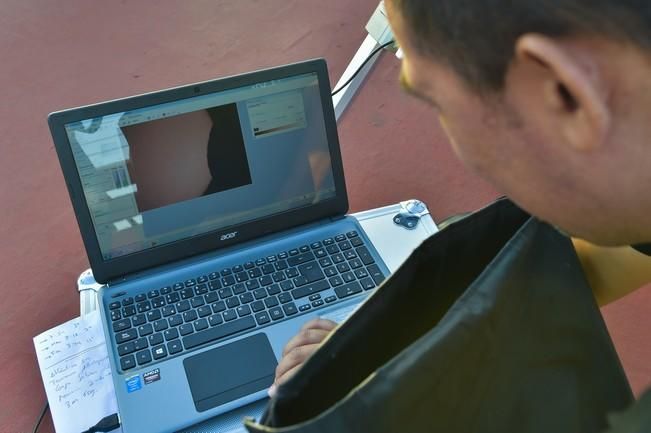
{"x": 489, "y": 326}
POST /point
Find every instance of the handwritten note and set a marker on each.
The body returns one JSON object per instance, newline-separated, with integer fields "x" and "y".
{"x": 76, "y": 373}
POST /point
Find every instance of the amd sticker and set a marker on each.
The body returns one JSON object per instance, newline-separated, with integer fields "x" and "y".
{"x": 151, "y": 376}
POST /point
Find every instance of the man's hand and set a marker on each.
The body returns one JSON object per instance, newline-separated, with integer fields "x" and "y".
{"x": 301, "y": 347}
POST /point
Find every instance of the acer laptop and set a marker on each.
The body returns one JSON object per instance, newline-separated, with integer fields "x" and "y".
{"x": 215, "y": 214}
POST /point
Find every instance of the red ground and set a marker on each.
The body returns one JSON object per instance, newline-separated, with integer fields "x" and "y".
{"x": 56, "y": 54}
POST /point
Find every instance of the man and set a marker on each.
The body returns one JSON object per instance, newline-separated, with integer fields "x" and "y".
{"x": 549, "y": 100}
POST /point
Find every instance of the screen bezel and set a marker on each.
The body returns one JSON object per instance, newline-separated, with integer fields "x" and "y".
{"x": 119, "y": 267}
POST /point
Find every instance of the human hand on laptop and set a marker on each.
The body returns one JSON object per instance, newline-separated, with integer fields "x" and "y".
{"x": 301, "y": 347}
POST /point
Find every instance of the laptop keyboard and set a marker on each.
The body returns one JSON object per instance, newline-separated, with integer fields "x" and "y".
{"x": 164, "y": 322}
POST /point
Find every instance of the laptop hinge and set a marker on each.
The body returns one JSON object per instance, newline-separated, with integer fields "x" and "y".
{"x": 337, "y": 218}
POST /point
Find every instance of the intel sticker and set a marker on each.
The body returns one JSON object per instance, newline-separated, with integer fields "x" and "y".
{"x": 151, "y": 376}
{"x": 133, "y": 383}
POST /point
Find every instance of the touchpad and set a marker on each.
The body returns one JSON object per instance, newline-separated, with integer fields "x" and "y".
{"x": 231, "y": 371}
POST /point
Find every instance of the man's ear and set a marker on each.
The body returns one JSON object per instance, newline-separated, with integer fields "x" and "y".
{"x": 571, "y": 90}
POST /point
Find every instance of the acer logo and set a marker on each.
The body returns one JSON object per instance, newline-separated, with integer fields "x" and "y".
{"x": 228, "y": 236}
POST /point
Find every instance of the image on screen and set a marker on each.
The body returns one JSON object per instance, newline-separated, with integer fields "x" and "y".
{"x": 173, "y": 171}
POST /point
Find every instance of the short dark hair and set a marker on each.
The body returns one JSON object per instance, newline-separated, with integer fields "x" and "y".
{"x": 477, "y": 37}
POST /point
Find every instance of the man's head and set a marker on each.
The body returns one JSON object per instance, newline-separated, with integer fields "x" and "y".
{"x": 548, "y": 99}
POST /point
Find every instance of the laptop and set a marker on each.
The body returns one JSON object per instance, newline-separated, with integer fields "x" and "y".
{"x": 215, "y": 215}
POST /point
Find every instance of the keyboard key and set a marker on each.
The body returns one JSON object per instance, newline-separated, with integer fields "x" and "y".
{"x": 328, "y": 241}
{"x": 304, "y": 307}
{"x": 213, "y": 276}
{"x": 330, "y": 299}
{"x": 330, "y": 271}
{"x": 348, "y": 277}
{"x": 300, "y": 259}
{"x": 315, "y": 297}
{"x": 217, "y": 332}
{"x": 211, "y": 297}
{"x": 245, "y": 298}
{"x": 121, "y": 325}
{"x": 310, "y": 289}
{"x": 160, "y": 325}
{"x": 348, "y": 290}
{"x": 143, "y": 307}
{"x": 284, "y": 298}
{"x": 141, "y": 344}
{"x": 218, "y": 307}
{"x": 268, "y": 269}
{"x": 367, "y": 283}
{"x": 365, "y": 255}
{"x": 232, "y": 302}
{"x": 311, "y": 271}
{"x": 255, "y": 273}
{"x": 260, "y": 294}
{"x": 260, "y": 262}
{"x": 356, "y": 242}
{"x": 174, "y": 347}
{"x": 304, "y": 249}
{"x": 141, "y": 297}
{"x": 271, "y": 259}
{"x": 197, "y": 301}
{"x": 276, "y": 313}
{"x": 158, "y": 302}
{"x": 343, "y": 267}
{"x": 293, "y": 252}
{"x": 138, "y": 319}
{"x": 355, "y": 263}
{"x": 145, "y": 330}
{"x": 189, "y": 316}
{"x": 153, "y": 315}
{"x": 215, "y": 319}
{"x": 257, "y": 306}
{"x": 187, "y": 293}
{"x": 182, "y": 306}
{"x": 338, "y": 258}
{"x": 202, "y": 279}
{"x": 186, "y": 329}
{"x": 352, "y": 234}
{"x": 155, "y": 339}
{"x": 143, "y": 357}
{"x": 274, "y": 289}
{"x": 266, "y": 281}
{"x": 291, "y": 273}
{"x": 114, "y": 305}
{"x": 252, "y": 284}
{"x": 153, "y": 294}
{"x": 281, "y": 265}
{"x": 332, "y": 249}
{"x": 178, "y": 286}
{"x": 316, "y": 245}
{"x": 128, "y": 362}
{"x": 225, "y": 293}
{"x": 200, "y": 324}
{"x": 325, "y": 262}
{"x": 241, "y": 277}
{"x": 262, "y": 318}
{"x": 126, "y": 348}
{"x": 171, "y": 334}
{"x": 229, "y": 315}
{"x": 320, "y": 253}
{"x": 279, "y": 276}
{"x": 361, "y": 273}
{"x": 317, "y": 303}
{"x": 249, "y": 265}
{"x": 237, "y": 269}
{"x": 238, "y": 289}
{"x": 340, "y": 238}
{"x": 345, "y": 245}
{"x": 191, "y": 282}
{"x": 159, "y": 352}
{"x": 375, "y": 273}
{"x": 283, "y": 255}
{"x": 286, "y": 285}
{"x": 127, "y": 301}
{"x": 201, "y": 289}
{"x": 175, "y": 320}
{"x": 172, "y": 298}
{"x": 290, "y": 309}
{"x": 204, "y": 311}
{"x": 350, "y": 255}
{"x": 336, "y": 281}
{"x": 243, "y": 310}
{"x": 215, "y": 285}
{"x": 228, "y": 280}
{"x": 271, "y": 302}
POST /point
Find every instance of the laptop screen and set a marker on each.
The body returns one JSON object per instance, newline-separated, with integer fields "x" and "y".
{"x": 156, "y": 175}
